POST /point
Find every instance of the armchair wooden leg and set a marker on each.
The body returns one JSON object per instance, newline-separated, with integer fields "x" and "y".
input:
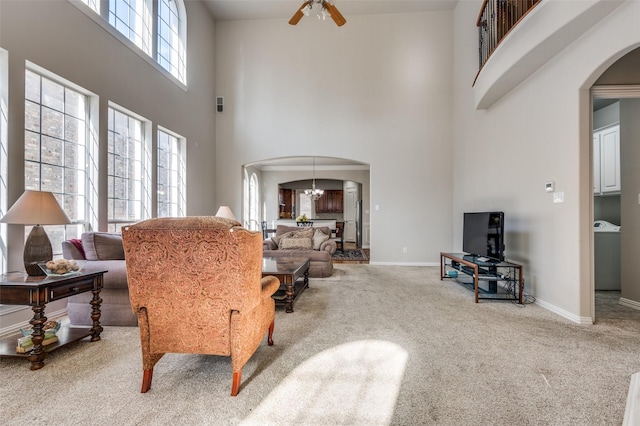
{"x": 146, "y": 380}
{"x": 235, "y": 386}
{"x": 270, "y": 335}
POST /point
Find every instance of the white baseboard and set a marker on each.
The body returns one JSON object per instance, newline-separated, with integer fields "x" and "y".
{"x": 632, "y": 412}
{"x": 563, "y": 313}
{"x": 629, "y": 303}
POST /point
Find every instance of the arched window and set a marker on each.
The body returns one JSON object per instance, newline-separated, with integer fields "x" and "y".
{"x": 93, "y": 4}
{"x": 254, "y": 203}
{"x": 245, "y": 200}
{"x": 172, "y": 38}
{"x": 134, "y": 19}
{"x": 138, "y": 19}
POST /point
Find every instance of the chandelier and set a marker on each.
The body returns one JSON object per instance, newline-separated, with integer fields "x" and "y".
{"x": 314, "y": 193}
{"x": 327, "y": 10}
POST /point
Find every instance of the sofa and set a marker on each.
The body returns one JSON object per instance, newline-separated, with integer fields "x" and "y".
{"x": 314, "y": 243}
{"x": 102, "y": 251}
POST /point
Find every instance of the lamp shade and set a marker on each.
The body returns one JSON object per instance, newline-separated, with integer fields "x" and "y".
{"x": 36, "y": 208}
{"x": 225, "y": 211}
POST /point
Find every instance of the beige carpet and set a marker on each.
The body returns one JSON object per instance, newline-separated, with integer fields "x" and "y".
{"x": 372, "y": 345}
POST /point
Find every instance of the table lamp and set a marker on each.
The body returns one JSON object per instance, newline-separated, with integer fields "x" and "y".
{"x": 36, "y": 208}
{"x": 225, "y": 211}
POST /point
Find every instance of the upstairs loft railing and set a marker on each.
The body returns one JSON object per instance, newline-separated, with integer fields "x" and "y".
{"x": 496, "y": 19}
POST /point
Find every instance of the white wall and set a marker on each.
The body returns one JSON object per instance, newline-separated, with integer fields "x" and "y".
{"x": 540, "y": 131}
{"x": 377, "y": 90}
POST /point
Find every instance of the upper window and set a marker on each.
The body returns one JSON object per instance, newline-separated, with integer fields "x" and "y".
{"x": 157, "y": 27}
{"x": 133, "y": 18}
{"x": 93, "y": 4}
{"x": 171, "y": 37}
{"x": 128, "y": 170}
{"x": 172, "y": 171}
{"x": 56, "y": 144}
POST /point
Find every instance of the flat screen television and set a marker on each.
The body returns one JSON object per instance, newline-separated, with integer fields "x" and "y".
{"x": 483, "y": 234}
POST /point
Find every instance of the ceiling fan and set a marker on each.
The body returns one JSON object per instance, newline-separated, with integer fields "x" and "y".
{"x": 328, "y": 10}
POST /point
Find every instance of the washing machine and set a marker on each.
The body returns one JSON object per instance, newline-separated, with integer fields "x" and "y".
{"x": 606, "y": 255}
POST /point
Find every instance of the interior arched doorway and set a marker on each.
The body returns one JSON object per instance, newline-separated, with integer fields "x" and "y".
{"x": 614, "y": 96}
{"x": 297, "y": 173}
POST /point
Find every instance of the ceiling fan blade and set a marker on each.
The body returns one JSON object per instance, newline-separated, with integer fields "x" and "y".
{"x": 335, "y": 14}
{"x": 298, "y": 15}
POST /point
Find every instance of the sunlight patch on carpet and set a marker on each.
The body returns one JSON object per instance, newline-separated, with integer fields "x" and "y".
{"x": 356, "y": 383}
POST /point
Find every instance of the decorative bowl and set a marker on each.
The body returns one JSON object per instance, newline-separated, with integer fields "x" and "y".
{"x": 61, "y": 267}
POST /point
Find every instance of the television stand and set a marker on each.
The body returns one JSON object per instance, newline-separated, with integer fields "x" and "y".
{"x": 491, "y": 273}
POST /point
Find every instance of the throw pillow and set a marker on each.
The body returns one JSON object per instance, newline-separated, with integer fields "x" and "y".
{"x": 102, "y": 246}
{"x": 319, "y": 237}
{"x": 296, "y": 244}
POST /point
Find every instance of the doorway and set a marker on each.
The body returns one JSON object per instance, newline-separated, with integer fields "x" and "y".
{"x": 612, "y": 107}
{"x": 333, "y": 175}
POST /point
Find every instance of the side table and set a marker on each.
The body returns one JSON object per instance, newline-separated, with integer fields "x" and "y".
{"x": 18, "y": 288}
{"x": 288, "y": 270}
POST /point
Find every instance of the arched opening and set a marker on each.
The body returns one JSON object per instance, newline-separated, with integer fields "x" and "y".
{"x": 282, "y": 184}
{"x": 615, "y": 106}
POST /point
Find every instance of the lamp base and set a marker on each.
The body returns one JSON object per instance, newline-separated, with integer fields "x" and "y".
{"x": 37, "y": 248}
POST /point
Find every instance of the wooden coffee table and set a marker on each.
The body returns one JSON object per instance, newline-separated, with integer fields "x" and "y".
{"x": 288, "y": 270}
{"x": 18, "y": 288}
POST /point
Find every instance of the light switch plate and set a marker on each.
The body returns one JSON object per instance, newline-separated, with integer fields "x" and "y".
{"x": 549, "y": 186}
{"x": 558, "y": 197}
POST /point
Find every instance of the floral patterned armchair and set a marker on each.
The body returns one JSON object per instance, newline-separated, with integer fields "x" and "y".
{"x": 196, "y": 285}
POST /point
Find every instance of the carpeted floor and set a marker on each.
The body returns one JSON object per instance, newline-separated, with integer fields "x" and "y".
{"x": 371, "y": 345}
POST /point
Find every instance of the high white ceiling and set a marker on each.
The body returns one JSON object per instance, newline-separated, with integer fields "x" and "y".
{"x": 231, "y": 10}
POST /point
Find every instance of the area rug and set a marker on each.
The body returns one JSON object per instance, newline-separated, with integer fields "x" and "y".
{"x": 350, "y": 254}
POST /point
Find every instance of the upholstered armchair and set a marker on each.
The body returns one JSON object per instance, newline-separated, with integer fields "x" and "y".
{"x": 196, "y": 285}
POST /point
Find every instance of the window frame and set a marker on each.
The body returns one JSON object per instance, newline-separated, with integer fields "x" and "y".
{"x": 88, "y": 219}
{"x": 254, "y": 203}
{"x": 179, "y": 171}
{"x": 101, "y": 18}
{"x": 181, "y": 49}
{"x": 146, "y": 170}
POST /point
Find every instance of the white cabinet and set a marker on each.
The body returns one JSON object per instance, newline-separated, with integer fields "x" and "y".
{"x": 606, "y": 160}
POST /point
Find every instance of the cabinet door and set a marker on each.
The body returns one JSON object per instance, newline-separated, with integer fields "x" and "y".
{"x": 338, "y": 201}
{"x": 328, "y": 198}
{"x": 610, "y": 159}
{"x": 321, "y": 203}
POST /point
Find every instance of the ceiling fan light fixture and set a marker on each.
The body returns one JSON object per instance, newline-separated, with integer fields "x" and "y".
{"x": 329, "y": 10}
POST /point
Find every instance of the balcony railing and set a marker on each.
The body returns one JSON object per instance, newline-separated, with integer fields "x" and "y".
{"x": 496, "y": 19}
